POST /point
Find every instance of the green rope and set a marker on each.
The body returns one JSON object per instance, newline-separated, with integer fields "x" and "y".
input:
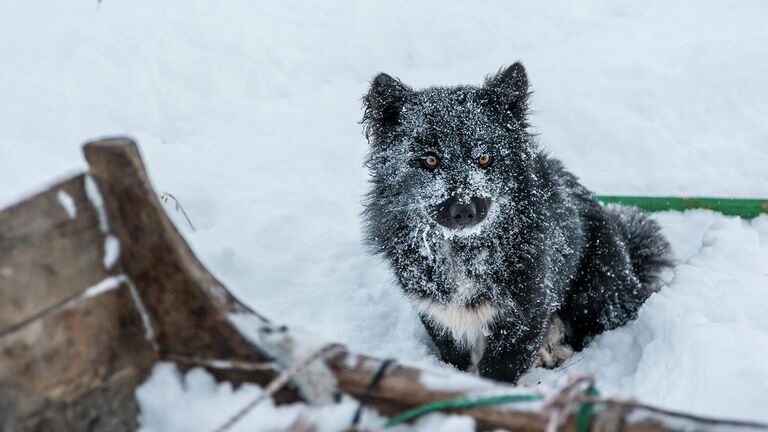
{"x": 746, "y": 208}
{"x": 462, "y": 402}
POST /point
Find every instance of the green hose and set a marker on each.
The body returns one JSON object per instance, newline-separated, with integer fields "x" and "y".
{"x": 583, "y": 416}
{"x": 462, "y": 402}
{"x": 746, "y": 208}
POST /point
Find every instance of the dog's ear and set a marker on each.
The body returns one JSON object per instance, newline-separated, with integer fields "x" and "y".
{"x": 507, "y": 92}
{"x": 383, "y": 102}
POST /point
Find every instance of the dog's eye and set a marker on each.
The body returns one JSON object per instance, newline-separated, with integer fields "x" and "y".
{"x": 484, "y": 160}
{"x": 430, "y": 161}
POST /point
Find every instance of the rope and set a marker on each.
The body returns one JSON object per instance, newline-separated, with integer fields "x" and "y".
{"x": 371, "y": 385}
{"x": 278, "y": 382}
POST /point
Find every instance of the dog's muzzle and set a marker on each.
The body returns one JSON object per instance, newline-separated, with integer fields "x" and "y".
{"x": 462, "y": 212}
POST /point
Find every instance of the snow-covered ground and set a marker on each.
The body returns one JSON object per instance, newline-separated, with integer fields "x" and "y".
{"x": 247, "y": 112}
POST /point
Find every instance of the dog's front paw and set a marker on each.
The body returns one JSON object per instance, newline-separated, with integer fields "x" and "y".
{"x": 554, "y": 351}
{"x": 552, "y": 356}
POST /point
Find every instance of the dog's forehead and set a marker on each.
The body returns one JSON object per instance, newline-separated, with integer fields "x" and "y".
{"x": 449, "y": 112}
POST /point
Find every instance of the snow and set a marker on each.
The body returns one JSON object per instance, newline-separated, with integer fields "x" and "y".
{"x": 111, "y": 251}
{"x": 705, "y": 332}
{"x": 146, "y": 320}
{"x": 111, "y": 243}
{"x": 195, "y": 402}
{"x": 106, "y": 284}
{"x": 97, "y": 201}
{"x": 247, "y": 112}
{"x": 434, "y": 380}
{"x": 314, "y": 381}
{"x": 67, "y": 203}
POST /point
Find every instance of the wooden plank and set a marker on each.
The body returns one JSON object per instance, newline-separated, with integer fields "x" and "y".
{"x": 47, "y": 255}
{"x": 188, "y": 306}
{"x": 76, "y": 367}
{"x": 403, "y": 388}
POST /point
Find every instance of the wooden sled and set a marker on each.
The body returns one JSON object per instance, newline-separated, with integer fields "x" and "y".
{"x": 97, "y": 286}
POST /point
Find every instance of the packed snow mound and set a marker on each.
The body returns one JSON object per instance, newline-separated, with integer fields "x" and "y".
{"x": 704, "y": 332}
{"x": 248, "y": 113}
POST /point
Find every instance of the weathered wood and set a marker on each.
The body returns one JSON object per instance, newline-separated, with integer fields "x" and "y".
{"x": 75, "y": 369}
{"x": 46, "y": 255}
{"x": 65, "y": 364}
{"x": 403, "y": 388}
{"x": 188, "y": 306}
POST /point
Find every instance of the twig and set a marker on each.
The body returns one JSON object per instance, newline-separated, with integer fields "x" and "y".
{"x": 165, "y": 196}
{"x": 565, "y": 366}
{"x": 692, "y": 417}
{"x": 278, "y": 383}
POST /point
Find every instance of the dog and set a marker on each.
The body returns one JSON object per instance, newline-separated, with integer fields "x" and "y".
{"x": 495, "y": 243}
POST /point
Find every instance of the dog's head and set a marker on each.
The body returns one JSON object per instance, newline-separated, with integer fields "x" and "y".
{"x": 446, "y": 158}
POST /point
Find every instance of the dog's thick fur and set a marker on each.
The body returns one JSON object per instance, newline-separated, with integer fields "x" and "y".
{"x": 544, "y": 253}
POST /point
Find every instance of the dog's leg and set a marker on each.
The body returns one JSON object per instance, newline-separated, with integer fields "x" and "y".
{"x": 512, "y": 347}
{"x": 451, "y": 351}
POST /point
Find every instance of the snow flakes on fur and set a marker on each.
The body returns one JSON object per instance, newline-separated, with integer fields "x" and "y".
{"x": 545, "y": 245}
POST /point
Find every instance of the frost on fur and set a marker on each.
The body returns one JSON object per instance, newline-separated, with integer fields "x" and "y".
{"x": 541, "y": 245}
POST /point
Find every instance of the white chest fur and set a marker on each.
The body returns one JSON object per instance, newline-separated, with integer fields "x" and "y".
{"x": 468, "y": 326}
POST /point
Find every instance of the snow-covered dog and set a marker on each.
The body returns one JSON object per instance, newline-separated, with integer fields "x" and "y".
{"x": 496, "y": 244}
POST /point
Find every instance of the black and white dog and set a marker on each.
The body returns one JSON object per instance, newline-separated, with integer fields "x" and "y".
{"x": 496, "y": 244}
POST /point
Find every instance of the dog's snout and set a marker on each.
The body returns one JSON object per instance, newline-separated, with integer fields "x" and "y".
{"x": 458, "y": 212}
{"x": 463, "y": 214}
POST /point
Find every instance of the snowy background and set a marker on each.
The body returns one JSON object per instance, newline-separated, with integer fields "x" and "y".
{"x": 247, "y": 112}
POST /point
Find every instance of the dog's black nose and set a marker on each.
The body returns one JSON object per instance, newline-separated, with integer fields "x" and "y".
{"x": 461, "y": 212}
